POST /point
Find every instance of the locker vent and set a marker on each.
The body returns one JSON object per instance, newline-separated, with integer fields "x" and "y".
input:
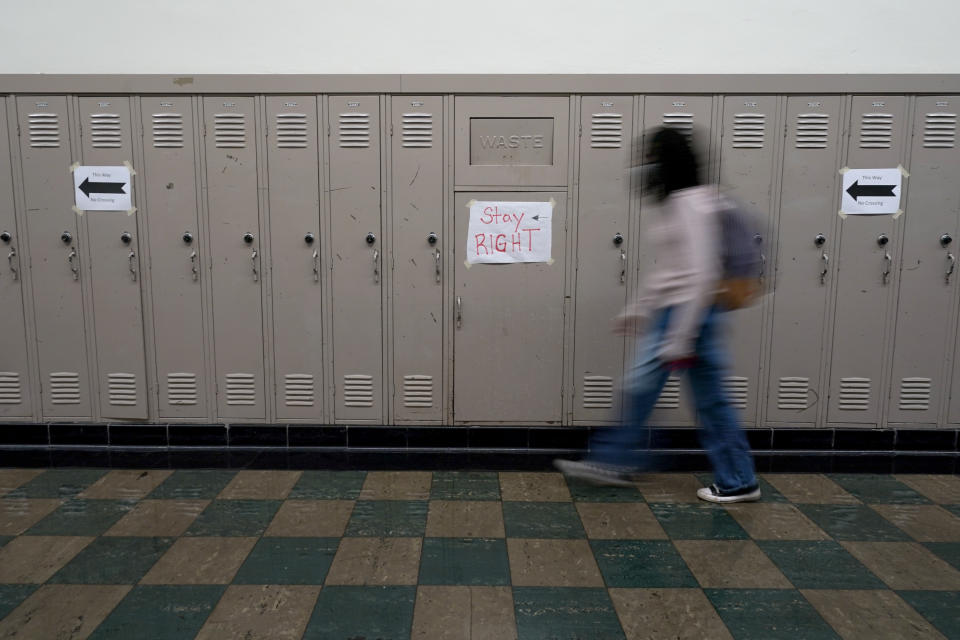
{"x": 876, "y": 130}
{"x": 298, "y": 389}
{"x": 682, "y": 122}
{"x": 418, "y": 391}
{"x": 606, "y": 131}
{"x": 291, "y": 131}
{"x": 854, "y": 394}
{"x": 670, "y": 396}
{"x": 940, "y": 130}
{"x": 597, "y": 392}
{"x": 812, "y": 130}
{"x": 167, "y": 131}
{"x": 10, "y": 387}
{"x": 105, "y": 130}
{"x": 792, "y": 393}
{"x": 229, "y": 131}
{"x": 737, "y": 388}
{"x": 44, "y": 130}
{"x": 417, "y": 130}
{"x": 65, "y": 388}
{"x": 182, "y": 388}
{"x": 357, "y": 390}
{"x": 354, "y": 130}
{"x": 241, "y": 389}
{"x": 748, "y": 130}
{"x": 122, "y": 389}
{"x": 915, "y": 394}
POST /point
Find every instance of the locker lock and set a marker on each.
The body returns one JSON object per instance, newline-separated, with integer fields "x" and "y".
{"x": 432, "y": 238}
{"x": 819, "y": 239}
{"x": 882, "y": 240}
{"x": 308, "y": 238}
{"x": 5, "y": 236}
{"x": 945, "y": 239}
{"x": 125, "y": 237}
{"x": 66, "y": 237}
{"x": 618, "y": 239}
{"x": 187, "y": 237}
{"x": 248, "y": 238}
{"x": 371, "y": 238}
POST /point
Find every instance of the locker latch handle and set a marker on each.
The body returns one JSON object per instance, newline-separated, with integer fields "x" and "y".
{"x": 316, "y": 266}
{"x": 193, "y": 266}
{"x": 826, "y": 266}
{"x": 16, "y": 274}
{"x": 887, "y": 266}
{"x": 131, "y": 259}
{"x": 623, "y": 266}
{"x": 253, "y": 259}
{"x": 459, "y": 312}
{"x": 376, "y": 267}
{"x": 436, "y": 257}
{"x": 73, "y": 267}
{"x": 951, "y": 265}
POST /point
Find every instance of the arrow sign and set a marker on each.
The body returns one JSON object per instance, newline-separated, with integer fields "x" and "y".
{"x": 100, "y": 187}
{"x": 871, "y": 190}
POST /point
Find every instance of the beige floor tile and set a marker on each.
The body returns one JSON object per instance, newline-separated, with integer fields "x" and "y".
{"x": 464, "y": 613}
{"x": 260, "y": 485}
{"x": 809, "y": 488}
{"x": 376, "y": 561}
{"x": 552, "y": 563}
{"x": 669, "y": 487}
{"x": 10, "y": 479}
{"x": 905, "y": 565}
{"x": 667, "y": 614}
{"x": 942, "y": 489}
{"x": 775, "y": 521}
{"x": 33, "y": 559}
{"x": 924, "y": 522}
{"x": 534, "y": 487}
{"x": 18, "y": 515}
{"x": 62, "y": 611}
{"x": 126, "y": 484}
{"x": 868, "y": 615}
{"x": 465, "y": 519}
{"x": 200, "y": 561}
{"x": 397, "y": 485}
{"x": 158, "y": 518}
{"x": 620, "y": 520}
{"x": 311, "y": 519}
{"x": 731, "y": 564}
{"x": 261, "y": 612}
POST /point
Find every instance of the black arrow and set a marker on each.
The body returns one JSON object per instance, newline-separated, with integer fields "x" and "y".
{"x": 101, "y": 187}
{"x": 870, "y": 190}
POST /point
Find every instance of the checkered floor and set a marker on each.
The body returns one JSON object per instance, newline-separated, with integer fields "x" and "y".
{"x": 350, "y": 555}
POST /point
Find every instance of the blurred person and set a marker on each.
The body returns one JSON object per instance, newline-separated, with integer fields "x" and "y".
{"x": 680, "y": 319}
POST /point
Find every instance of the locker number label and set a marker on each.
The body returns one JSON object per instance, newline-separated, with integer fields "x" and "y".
{"x": 508, "y": 232}
{"x": 871, "y": 191}
{"x": 102, "y": 188}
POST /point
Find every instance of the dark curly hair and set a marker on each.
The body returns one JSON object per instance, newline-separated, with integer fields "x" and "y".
{"x": 676, "y": 162}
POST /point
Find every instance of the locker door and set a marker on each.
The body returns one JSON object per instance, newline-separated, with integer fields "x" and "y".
{"x": 746, "y": 173}
{"x": 14, "y": 376}
{"x": 176, "y": 254}
{"x": 603, "y": 251}
{"x": 115, "y": 266}
{"x": 235, "y": 252}
{"x": 807, "y": 197}
{"x": 54, "y": 256}
{"x": 417, "y": 163}
{"x": 356, "y": 260}
{"x": 508, "y": 340}
{"x": 690, "y": 115}
{"x": 863, "y": 291}
{"x": 294, "y": 174}
{"x": 927, "y": 291}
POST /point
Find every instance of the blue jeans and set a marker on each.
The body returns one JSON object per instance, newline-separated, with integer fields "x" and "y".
{"x": 720, "y": 433}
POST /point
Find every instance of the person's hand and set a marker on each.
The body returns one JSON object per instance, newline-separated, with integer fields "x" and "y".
{"x": 680, "y": 364}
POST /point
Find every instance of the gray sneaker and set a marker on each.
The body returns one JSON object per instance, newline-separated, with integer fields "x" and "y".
{"x": 595, "y": 473}
{"x": 714, "y": 494}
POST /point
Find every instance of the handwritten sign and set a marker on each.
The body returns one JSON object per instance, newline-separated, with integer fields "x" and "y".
{"x": 508, "y": 232}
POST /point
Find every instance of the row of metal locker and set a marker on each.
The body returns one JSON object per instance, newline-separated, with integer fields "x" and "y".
{"x": 300, "y": 258}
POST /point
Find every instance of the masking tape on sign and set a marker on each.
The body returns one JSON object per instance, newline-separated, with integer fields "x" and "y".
{"x": 903, "y": 172}
{"x": 844, "y": 170}
{"x": 842, "y": 215}
{"x": 129, "y": 167}
{"x": 471, "y": 203}
{"x": 132, "y": 211}
{"x": 74, "y": 166}
{"x": 77, "y": 210}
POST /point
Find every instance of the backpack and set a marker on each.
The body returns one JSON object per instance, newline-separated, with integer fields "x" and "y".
{"x": 741, "y": 254}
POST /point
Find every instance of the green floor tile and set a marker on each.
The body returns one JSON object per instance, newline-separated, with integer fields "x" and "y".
{"x": 82, "y": 518}
{"x": 113, "y": 561}
{"x": 769, "y": 614}
{"x": 464, "y": 561}
{"x": 949, "y": 551}
{"x": 160, "y": 613}
{"x": 11, "y": 595}
{"x": 234, "y": 518}
{"x": 565, "y": 613}
{"x": 953, "y": 508}
{"x": 941, "y": 608}
{"x": 389, "y": 518}
{"x": 288, "y": 561}
{"x": 587, "y": 492}
{"x": 697, "y": 522}
{"x": 193, "y": 484}
{"x": 641, "y": 563}
{"x": 58, "y": 483}
{"x": 345, "y": 613}
{"x": 542, "y": 520}
{"x": 878, "y": 489}
{"x": 820, "y": 564}
{"x": 328, "y": 485}
{"x": 5, "y": 539}
{"x": 852, "y": 522}
{"x": 465, "y": 485}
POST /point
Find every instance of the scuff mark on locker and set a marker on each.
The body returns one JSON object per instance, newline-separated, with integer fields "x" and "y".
{"x": 169, "y": 185}
{"x": 415, "y": 206}
{"x": 415, "y": 176}
{"x": 339, "y": 188}
{"x": 183, "y": 80}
